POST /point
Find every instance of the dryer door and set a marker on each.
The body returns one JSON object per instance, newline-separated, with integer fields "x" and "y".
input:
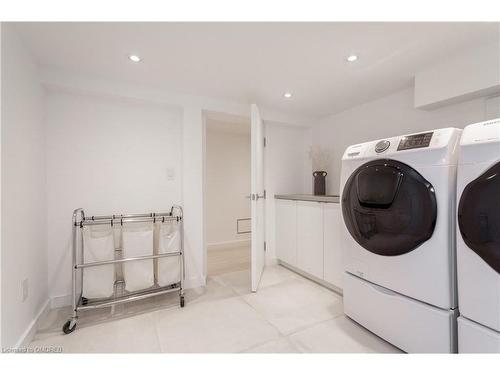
{"x": 479, "y": 216}
{"x": 388, "y": 207}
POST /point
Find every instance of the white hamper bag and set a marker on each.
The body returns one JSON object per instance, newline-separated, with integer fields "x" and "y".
{"x": 98, "y": 245}
{"x": 137, "y": 240}
{"x": 168, "y": 268}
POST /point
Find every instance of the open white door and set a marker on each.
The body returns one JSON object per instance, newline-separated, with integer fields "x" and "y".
{"x": 257, "y": 197}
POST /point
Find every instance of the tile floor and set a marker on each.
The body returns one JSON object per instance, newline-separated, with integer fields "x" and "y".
{"x": 289, "y": 314}
{"x": 225, "y": 260}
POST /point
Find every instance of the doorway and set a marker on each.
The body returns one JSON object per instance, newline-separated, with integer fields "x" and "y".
{"x": 227, "y": 191}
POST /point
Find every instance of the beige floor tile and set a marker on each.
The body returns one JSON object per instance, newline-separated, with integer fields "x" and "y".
{"x": 214, "y": 290}
{"x": 239, "y": 281}
{"x": 224, "y": 317}
{"x": 295, "y": 304}
{"x": 130, "y": 335}
{"x": 220, "y": 261}
{"x": 276, "y": 274}
{"x": 52, "y": 323}
{"x": 340, "y": 335}
{"x": 225, "y": 326}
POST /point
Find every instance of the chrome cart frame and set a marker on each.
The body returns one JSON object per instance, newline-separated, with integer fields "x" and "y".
{"x": 79, "y": 302}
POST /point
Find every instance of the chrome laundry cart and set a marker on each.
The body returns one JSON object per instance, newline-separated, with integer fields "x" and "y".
{"x": 80, "y": 220}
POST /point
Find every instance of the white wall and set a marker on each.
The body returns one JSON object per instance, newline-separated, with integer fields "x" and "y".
{"x": 109, "y": 156}
{"x": 227, "y": 184}
{"x": 493, "y": 107}
{"x": 193, "y": 176}
{"x": 24, "y": 247}
{"x": 459, "y": 77}
{"x": 389, "y": 116}
{"x": 193, "y": 138}
{"x": 287, "y": 170}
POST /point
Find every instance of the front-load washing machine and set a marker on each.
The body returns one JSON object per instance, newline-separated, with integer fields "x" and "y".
{"x": 398, "y": 205}
{"x": 478, "y": 238}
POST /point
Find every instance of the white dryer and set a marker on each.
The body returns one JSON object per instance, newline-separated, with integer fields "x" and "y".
{"x": 478, "y": 238}
{"x": 398, "y": 204}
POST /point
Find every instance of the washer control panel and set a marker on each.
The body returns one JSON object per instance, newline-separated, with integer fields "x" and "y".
{"x": 415, "y": 141}
{"x": 382, "y": 146}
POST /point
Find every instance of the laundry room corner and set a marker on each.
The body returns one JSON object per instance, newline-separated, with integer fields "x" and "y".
{"x": 253, "y": 182}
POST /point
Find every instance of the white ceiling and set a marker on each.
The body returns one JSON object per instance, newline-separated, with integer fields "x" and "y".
{"x": 257, "y": 62}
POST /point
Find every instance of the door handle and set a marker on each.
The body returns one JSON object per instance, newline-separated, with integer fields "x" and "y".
{"x": 256, "y": 197}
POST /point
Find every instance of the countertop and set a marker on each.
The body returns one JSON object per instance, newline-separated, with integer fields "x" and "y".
{"x": 309, "y": 197}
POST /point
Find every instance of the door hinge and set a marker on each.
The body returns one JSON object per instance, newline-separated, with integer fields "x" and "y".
{"x": 265, "y": 142}
{"x": 265, "y": 246}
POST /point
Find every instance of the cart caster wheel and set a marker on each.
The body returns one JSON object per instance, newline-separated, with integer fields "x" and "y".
{"x": 69, "y": 327}
{"x": 182, "y": 301}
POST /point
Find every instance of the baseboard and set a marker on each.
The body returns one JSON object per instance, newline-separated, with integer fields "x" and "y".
{"x": 228, "y": 244}
{"x": 30, "y": 332}
{"x": 317, "y": 280}
{"x": 194, "y": 282}
{"x": 60, "y": 301}
{"x": 272, "y": 262}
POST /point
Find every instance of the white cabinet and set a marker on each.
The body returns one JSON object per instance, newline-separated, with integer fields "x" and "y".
{"x": 286, "y": 231}
{"x": 310, "y": 238}
{"x": 332, "y": 253}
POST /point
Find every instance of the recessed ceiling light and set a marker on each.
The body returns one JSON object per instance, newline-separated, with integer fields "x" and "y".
{"x": 134, "y": 58}
{"x": 287, "y": 95}
{"x": 352, "y": 58}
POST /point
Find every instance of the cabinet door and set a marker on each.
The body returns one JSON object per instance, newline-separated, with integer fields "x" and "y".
{"x": 310, "y": 238}
{"x": 333, "y": 267}
{"x": 286, "y": 231}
